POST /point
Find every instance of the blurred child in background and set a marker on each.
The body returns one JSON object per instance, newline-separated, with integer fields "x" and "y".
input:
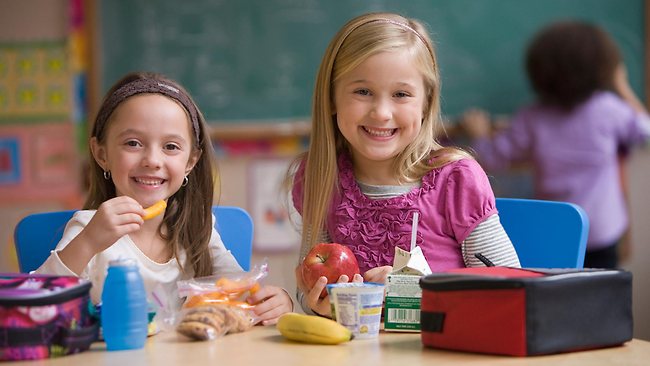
{"x": 585, "y": 114}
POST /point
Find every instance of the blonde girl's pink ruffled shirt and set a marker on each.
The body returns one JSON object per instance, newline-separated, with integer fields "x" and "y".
{"x": 451, "y": 201}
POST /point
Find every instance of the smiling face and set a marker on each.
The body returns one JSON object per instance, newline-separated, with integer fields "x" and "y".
{"x": 148, "y": 148}
{"x": 379, "y": 107}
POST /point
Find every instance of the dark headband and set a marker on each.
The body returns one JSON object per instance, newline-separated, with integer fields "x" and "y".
{"x": 141, "y": 86}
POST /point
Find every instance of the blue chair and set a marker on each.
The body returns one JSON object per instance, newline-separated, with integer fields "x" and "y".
{"x": 235, "y": 226}
{"x": 545, "y": 234}
{"x": 37, "y": 234}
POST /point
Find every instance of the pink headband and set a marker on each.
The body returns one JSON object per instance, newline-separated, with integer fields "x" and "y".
{"x": 141, "y": 86}
{"x": 394, "y": 22}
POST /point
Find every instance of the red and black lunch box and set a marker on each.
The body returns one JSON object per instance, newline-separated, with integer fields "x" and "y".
{"x": 44, "y": 316}
{"x": 523, "y": 312}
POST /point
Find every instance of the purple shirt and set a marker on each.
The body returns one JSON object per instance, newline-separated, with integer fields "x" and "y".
{"x": 574, "y": 157}
{"x": 451, "y": 202}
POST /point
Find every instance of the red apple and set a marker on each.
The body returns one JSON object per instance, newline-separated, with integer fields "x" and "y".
{"x": 330, "y": 260}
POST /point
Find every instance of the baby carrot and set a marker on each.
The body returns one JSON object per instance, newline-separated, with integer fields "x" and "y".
{"x": 154, "y": 210}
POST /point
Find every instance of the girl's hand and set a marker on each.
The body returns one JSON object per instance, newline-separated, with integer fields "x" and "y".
{"x": 625, "y": 91}
{"x": 271, "y": 302}
{"x": 312, "y": 295}
{"x": 476, "y": 123}
{"x": 621, "y": 82}
{"x": 114, "y": 218}
{"x": 378, "y": 274}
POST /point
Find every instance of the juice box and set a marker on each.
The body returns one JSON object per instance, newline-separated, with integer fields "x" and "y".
{"x": 403, "y": 292}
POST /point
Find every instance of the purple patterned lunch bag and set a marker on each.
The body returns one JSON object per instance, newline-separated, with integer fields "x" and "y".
{"x": 44, "y": 316}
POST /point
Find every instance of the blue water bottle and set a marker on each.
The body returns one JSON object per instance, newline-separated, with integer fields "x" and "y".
{"x": 124, "y": 307}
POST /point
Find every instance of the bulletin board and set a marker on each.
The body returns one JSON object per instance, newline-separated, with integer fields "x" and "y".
{"x": 34, "y": 82}
{"x": 39, "y": 160}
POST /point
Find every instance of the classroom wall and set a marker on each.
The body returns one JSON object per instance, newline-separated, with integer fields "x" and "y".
{"x": 639, "y": 261}
{"x": 31, "y": 21}
{"x": 236, "y": 190}
{"x": 50, "y": 21}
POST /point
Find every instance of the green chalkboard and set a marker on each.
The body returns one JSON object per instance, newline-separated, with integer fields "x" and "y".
{"x": 255, "y": 60}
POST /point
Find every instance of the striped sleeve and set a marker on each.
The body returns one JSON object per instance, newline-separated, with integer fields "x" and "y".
{"x": 490, "y": 240}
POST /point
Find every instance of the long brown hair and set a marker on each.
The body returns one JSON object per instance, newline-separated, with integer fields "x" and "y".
{"x": 187, "y": 223}
{"x": 360, "y": 38}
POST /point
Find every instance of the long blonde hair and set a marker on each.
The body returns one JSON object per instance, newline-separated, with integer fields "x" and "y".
{"x": 360, "y": 38}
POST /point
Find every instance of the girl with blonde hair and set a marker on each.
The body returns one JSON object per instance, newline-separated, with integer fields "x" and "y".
{"x": 373, "y": 161}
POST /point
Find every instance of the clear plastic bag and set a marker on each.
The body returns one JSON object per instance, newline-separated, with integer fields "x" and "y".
{"x": 216, "y": 305}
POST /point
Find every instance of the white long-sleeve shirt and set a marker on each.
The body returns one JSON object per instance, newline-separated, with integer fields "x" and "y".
{"x": 164, "y": 274}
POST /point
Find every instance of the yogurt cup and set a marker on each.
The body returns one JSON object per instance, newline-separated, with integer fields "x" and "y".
{"x": 357, "y": 306}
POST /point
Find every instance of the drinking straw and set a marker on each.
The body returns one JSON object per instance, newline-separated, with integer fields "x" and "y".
{"x": 414, "y": 229}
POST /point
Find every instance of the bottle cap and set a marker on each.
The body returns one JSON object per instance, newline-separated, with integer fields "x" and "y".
{"x": 122, "y": 262}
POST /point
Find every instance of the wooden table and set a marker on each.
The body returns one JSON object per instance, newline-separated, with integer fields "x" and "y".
{"x": 263, "y": 346}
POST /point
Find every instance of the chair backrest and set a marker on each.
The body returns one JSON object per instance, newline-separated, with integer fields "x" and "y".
{"x": 545, "y": 234}
{"x": 235, "y": 226}
{"x": 37, "y": 234}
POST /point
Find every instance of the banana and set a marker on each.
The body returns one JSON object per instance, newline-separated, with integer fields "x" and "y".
{"x": 312, "y": 329}
{"x": 154, "y": 210}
